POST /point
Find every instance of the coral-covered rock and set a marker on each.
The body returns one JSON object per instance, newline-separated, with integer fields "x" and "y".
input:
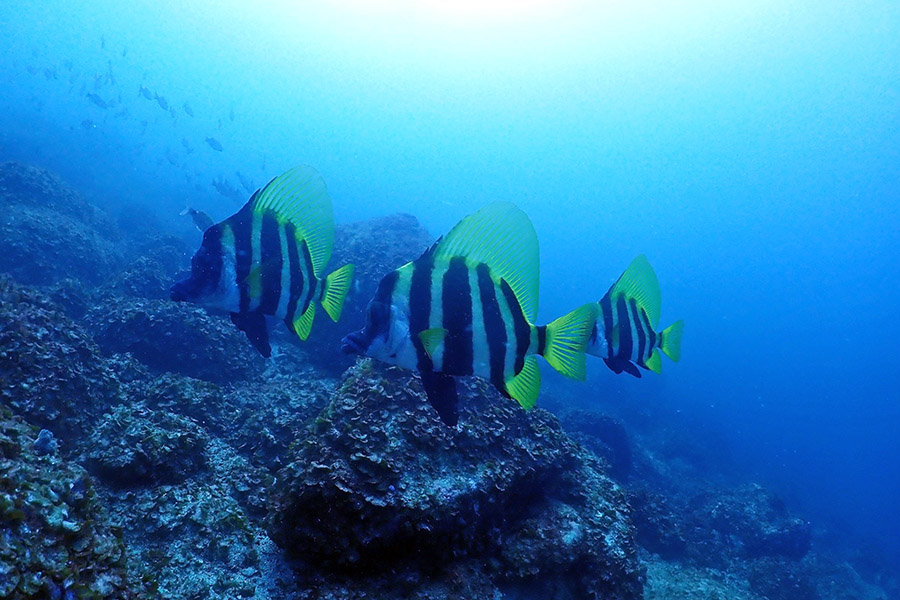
{"x": 135, "y": 445}
{"x": 48, "y": 232}
{"x": 375, "y": 247}
{"x": 174, "y": 337}
{"x": 748, "y": 522}
{"x": 55, "y": 540}
{"x": 51, "y": 372}
{"x": 384, "y": 486}
{"x": 659, "y": 528}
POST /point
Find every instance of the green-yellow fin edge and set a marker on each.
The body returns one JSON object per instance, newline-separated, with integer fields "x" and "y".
{"x": 337, "y": 284}
{"x": 526, "y": 385}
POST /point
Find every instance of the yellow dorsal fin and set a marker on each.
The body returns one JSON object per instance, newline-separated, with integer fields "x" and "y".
{"x": 501, "y": 236}
{"x": 640, "y": 282}
{"x": 431, "y": 339}
{"x": 299, "y": 196}
{"x": 526, "y": 385}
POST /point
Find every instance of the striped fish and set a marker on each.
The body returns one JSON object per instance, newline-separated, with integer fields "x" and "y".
{"x": 624, "y": 334}
{"x": 266, "y": 260}
{"x": 466, "y": 307}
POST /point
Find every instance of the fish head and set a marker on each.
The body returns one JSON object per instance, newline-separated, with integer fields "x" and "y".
{"x": 211, "y": 283}
{"x": 386, "y": 336}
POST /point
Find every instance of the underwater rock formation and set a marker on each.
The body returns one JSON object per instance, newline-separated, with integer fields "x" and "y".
{"x": 177, "y": 338}
{"x": 134, "y": 445}
{"x": 383, "y": 486}
{"x": 51, "y": 372}
{"x": 604, "y": 436}
{"x": 748, "y": 522}
{"x": 48, "y": 232}
{"x": 55, "y": 540}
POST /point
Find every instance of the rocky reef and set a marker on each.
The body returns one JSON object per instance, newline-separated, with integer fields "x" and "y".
{"x": 146, "y": 450}
{"x": 395, "y": 491}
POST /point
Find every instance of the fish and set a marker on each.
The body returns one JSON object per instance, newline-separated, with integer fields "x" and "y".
{"x": 145, "y": 92}
{"x": 188, "y": 110}
{"x": 267, "y": 260}
{"x": 202, "y": 221}
{"x": 87, "y": 124}
{"x": 187, "y": 145}
{"x": 163, "y": 104}
{"x": 97, "y": 100}
{"x": 624, "y": 333}
{"x": 466, "y": 307}
{"x": 226, "y": 189}
{"x": 214, "y": 144}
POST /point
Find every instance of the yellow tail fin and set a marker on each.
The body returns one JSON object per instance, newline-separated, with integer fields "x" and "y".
{"x": 567, "y": 339}
{"x": 336, "y": 287}
{"x": 670, "y": 343}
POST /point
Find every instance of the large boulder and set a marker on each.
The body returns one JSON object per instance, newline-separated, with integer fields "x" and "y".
{"x": 382, "y": 487}
{"x": 49, "y": 233}
{"x": 174, "y": 337}
{"x": 51, "y": 372}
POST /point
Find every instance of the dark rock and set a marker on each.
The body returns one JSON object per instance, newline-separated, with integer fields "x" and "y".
{"x": 748, "y": 522}
{"x": 384, "y": 487}
{"x": 55, "y": 541}
{"x": 375, "y": 247}
{"x": 133, "y": 445}
{"x": 174, "y": 337}
{"x": 49, "y": 233}
{"x": 50, "y": 370}
{"x": 151, "y": 275}
{"x": 659, "y": 527}
{"x": 779, "y": 579}
{"x": 604, "y": 436}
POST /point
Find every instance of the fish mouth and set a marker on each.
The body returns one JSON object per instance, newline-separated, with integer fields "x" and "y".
{"x": 352, "y": 344}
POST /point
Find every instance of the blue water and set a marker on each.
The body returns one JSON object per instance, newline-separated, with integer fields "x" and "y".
{"x": 750, "y": 149}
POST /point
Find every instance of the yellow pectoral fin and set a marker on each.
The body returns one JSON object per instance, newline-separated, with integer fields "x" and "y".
{"x": 432, "y": 339}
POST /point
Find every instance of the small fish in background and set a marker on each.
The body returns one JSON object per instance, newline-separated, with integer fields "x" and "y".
{"x": 124, "y": 51}
{"x": 144, "y": 124}
{"x": 202, "y": 221}
{"x": 467, "y": 307}
{"x": 171, "y": 157}
{"x": 122, "y": 113}
{"x": 145, "y": 92}
{"x": 163, "y": 104}
{"x": 94, "y": 98}
{"x": 231, "y": 115}
{"x": 50, "y": 74}
{"x": 103, "y": 42}
{"x": 173, "y": 113}
{"x": 226, "y": 189}
{"x": 187, "y": 109}
{"x": 267, "y": 259}
{"x": 245, "y": 183}
{"x": 88, "y": 125}
{"x": 187, "y": 145}
{"x": 220, "y": 124}
{"x": 214, "y": 144}
{"x": 624, "y": 334}
{"x": 32, "y": 70}
{"x": 67, "y": 64}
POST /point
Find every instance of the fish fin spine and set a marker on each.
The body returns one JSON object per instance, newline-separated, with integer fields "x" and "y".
{"x": 639, "y": 281}
{"x": 567, "y": 339}
{"x": 670, "y": 340}
{"x": 337, "y": 284}
{"x": 432, "y": 339}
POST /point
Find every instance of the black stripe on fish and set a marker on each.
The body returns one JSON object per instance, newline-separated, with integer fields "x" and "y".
{"x": 295, "y": 286}
{"x": 310, "y": 276}
{"x": 270, "y": 264}
{"x": 420, "y": 307}
{"x": 456, "y": 304}
{"x": 606, "y": 309}
{"x": 625, "y": 342}
{"x": 241, "y": 227}
{"x": 520, "y": 325}
{"x": 494, "y": 328}
{"x": 639, "y": 327}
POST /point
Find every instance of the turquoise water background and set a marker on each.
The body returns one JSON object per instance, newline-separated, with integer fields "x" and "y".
{"x": 750, "y": 149}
